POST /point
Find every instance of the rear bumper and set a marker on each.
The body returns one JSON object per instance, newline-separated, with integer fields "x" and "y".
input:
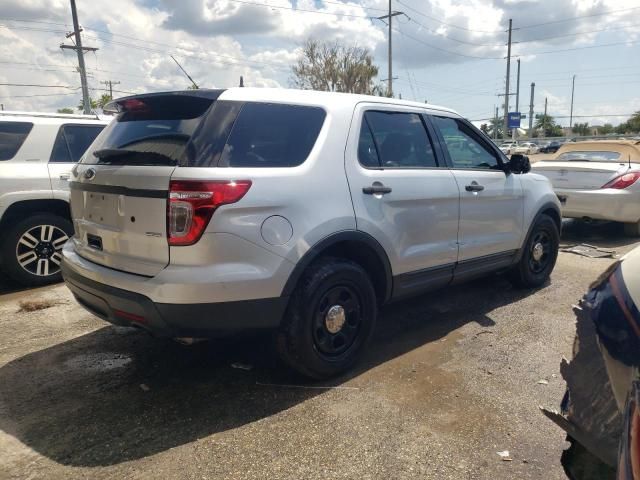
{"x": 122, "y": 307}
{"x": 603, "y": 204}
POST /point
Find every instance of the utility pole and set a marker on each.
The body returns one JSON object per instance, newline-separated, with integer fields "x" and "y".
{"x": 533, "y": 88}
{"x": 544, "y": 119}
{"x": 495, "y": 126}
{"x": 573, "y": 87}
{"x": 518, "y": 89}
{"x": 110, "y": 84}
{"x": 86, "y": 101}
{"x": 241, "y": 81}
{"x": 506, "y": 93}
{"x": 390, "y": 53}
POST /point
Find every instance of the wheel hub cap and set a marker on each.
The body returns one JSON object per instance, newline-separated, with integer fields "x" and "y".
{"x": 39, "y": 250}
{"x": 537, "y": 252}
{"x": 335, "y": 319}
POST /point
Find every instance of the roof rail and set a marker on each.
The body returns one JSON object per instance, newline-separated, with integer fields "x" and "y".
{"x": 8, "y": 113}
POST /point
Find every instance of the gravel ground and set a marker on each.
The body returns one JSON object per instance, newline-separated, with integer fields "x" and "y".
{"x": 450, "y": 380}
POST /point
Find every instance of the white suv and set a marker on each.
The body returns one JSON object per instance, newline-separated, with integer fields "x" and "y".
{"x": 37, "y": 152}
{"x": 204, "y": 212}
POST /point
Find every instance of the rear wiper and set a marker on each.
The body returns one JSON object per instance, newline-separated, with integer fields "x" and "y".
{"x": 120, "y": 153}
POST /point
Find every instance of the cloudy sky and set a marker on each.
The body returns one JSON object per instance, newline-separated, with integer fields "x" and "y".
{"x": 448, "y": 52}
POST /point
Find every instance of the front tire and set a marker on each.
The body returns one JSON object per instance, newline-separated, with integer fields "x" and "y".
{"x": 330, "y": 319}
{"x": 539, "y": 255}
{"x": 632, "y": 229}
{"x": 31, "y": 250}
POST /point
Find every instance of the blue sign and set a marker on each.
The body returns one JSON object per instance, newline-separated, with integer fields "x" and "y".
{"x": 514, "y": 120}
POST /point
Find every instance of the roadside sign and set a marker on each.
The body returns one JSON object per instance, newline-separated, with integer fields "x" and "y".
{"x": 514, "y": 119}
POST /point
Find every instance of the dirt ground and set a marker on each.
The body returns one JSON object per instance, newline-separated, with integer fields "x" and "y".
{"x": 450, "y": 380}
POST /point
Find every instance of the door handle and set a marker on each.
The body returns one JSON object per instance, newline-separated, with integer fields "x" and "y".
{"x": 378, "y": 189}
{"x": 65, "y": 176}
{"x": 474, "y": 187}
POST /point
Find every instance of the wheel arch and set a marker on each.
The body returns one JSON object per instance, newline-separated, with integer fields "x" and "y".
{"x": 22, "y": 208}
{"x": 353, "y": 245}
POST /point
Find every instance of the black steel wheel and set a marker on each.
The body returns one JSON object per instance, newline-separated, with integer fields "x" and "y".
{"x": 330, "y": 319}
{"x": 538, "y": 255}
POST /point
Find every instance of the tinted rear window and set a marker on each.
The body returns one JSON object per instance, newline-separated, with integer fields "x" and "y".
{"x": 586, "y": 156}
{"x": 272, "y": 135}
{"x": 154, "y": 133}
{"x": 12, "y": 136}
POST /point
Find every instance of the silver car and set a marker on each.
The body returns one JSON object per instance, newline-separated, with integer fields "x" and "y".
{"x": 597, "y": 180}
{"x": 205, "y": 212}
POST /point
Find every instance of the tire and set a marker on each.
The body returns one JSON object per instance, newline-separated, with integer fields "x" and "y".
{"x": 532, "y": 271}
{"x": 30, "y": 250}
{"x": 632, "y": 229}
{"x": 312, "y": 340}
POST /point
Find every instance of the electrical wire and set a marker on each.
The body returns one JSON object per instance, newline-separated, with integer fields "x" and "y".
{"x": 570, "y": 19}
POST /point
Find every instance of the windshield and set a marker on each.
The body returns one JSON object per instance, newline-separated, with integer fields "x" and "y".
{"x": 586, "y": 156}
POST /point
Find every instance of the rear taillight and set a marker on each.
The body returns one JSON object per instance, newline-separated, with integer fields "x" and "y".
{"x": 623, "y": 181}
{"x": 192, "y": 203}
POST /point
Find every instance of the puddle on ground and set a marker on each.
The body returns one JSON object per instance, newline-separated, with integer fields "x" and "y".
{"x": 98, "y": 362}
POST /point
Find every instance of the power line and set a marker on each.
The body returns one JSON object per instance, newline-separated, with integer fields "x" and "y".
{"x": 301, "y": 10}
{"x": 569, "y": 19}
{"x": 582, "y": 48}
{"x": 443, "y": 22}
{"x": 444, "y": 49}
{"x": 457, "y": 40}
{"x": 577, "y": 33}
{"x": 36, "y": 85}
{"x": 41, "y": 95}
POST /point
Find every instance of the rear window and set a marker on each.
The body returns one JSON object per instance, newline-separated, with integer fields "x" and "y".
{"x": 154, "y": 131}
{"x": 602, "y": 156}
{"x": 272, "y": 135}
{"x": 12, "y": 136}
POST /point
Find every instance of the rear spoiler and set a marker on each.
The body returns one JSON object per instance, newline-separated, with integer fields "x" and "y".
{"x": 141, "y": 103}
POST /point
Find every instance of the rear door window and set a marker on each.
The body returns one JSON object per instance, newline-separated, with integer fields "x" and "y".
{"x": 12, "y": 136}
{"x": 272, "y": 135}
{"x": 400, "y": 140}
{"x": 72, "y": 141}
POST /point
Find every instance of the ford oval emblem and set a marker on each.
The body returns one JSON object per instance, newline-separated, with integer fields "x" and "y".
{"x": 89, "y": 174}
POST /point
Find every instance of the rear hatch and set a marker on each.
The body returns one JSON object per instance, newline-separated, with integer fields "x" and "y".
{"x": 120, "y": 188}
{"x": 586, "y": 172}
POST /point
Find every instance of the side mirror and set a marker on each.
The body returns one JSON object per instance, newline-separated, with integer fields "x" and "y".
{"x": 519, "y": 164}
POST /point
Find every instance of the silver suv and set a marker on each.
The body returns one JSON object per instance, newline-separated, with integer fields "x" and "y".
{"x": 37, "y": 153}
{"x": 205, "y": 212}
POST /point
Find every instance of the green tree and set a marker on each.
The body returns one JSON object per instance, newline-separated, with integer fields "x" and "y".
{"x": 606, "y": 129}
{"x": 92, "y": 102}
{"x": 335, "y": 68}
{"x": 581, "y": 128}
{"x": 547, "y": 125}
{"x": 65, "y": 110}
{"x": 103, "y": 100}
{"x": 493, "y": 126}
{"x": 634, "y": 122}
{"x": 485, "y": 128}
{"x": 623, "y": 128}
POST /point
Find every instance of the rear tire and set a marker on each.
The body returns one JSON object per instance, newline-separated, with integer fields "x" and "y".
{"x": 31, "y": 249}
{"x": 632, "y": 229}
{"x": 329, "y": 321}
{"x": 539, "y": 254}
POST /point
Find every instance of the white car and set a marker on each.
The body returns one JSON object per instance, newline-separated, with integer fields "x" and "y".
{"x": 205, "y": 212}
{"x": 37, "y": 153}
{"x": 597, "y": 180}
{"x": 508, "y": 147}
{"x": 526, "y": 148}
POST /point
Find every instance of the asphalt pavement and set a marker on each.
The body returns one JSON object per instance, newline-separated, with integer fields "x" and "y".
{"x": 452, "y": 378}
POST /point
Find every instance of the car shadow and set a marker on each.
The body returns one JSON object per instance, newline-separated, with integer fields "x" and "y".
{"x": 117, "y": 394}
{"x": 600, "y": 234}
{"x": 7, "y": 285}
